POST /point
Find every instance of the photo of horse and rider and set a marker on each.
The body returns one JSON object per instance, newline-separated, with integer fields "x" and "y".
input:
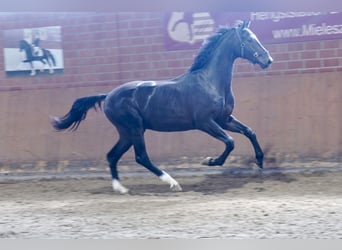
{"x": 33, "y": 51}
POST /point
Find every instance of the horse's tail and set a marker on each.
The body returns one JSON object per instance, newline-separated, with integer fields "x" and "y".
{"x": 50, "y": 55}
{"x": 77, "y": 113}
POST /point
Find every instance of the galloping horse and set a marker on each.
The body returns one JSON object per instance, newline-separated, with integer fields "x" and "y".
{"x": 201, "y": 99}
{"x": 46, "y": 56}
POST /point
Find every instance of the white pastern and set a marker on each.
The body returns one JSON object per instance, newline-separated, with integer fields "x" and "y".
{"x": 42, "y": 68}
{"x": 165, "y": 177}
{"x": 117, "y": 187}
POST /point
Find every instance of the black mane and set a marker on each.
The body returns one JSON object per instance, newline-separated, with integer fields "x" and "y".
{"x": 207, "y": 49}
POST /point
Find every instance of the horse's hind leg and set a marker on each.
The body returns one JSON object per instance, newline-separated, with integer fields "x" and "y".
{"x": 42, "y": 68}
{"x": 143, "y": 159}
{"x": 50, "y": 66}
{"x": 129, "y": 124}
{"x": 234, "y": 125}
{"x": 113, "y": 157}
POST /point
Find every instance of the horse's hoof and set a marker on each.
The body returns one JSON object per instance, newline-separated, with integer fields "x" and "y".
{"x": 207, "y": 161}
{"x": 259, "y": 164}
{"x": 258, "y": 169}
{"x": 122, "y": 191}
{"x": 119, "y": 188}
{"x": 176, "y": 187}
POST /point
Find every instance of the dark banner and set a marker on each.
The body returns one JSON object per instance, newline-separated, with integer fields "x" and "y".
{"x": 187, "y": 30}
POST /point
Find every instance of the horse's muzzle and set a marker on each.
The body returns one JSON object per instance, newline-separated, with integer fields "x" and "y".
{"x": 267, "y": 63}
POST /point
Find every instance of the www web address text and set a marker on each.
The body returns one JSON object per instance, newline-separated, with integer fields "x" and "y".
{"x": 308, "y": 30}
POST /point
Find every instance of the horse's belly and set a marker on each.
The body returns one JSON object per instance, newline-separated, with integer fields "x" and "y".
{"x": 170, "y": 127}
{"x": 167, "y": 122}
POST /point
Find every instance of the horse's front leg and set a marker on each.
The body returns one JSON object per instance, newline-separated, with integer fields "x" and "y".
{"x": 216, "y": 131}
{"x": 234, "y": 125}
{"x": 33, "y": 71}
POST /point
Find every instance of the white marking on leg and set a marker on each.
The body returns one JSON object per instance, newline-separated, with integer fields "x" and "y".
{"x": 118, "y": 187}
{"x": 42, "y": 68}
{"x": 165, "y": 177}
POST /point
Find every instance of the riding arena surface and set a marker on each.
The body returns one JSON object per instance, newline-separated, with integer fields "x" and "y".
{"x": 216, "y": 202}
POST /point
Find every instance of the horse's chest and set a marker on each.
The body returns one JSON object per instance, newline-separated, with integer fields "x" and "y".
{"x": 229, "y": 102}
{"x": 226, "y": 106}
{"x": 228, "y": 109}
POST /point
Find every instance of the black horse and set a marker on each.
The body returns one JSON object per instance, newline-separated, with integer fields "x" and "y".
{"x": 200, "y": 99}
{"x": 46, "y": 57}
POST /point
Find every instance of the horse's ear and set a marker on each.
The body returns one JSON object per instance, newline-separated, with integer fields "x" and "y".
{"x": 243, "y": 24}
{"x": 246, "y": 24}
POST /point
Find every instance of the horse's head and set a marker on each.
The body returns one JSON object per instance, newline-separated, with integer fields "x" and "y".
{"x": 250, "y": 46}
{"x": 23, "y": 45}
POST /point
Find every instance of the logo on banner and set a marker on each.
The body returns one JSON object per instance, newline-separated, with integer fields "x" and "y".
{"x": 190, "y": 28}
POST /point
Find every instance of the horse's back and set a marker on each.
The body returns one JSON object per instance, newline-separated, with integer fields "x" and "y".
{"x": 161, "y": 105}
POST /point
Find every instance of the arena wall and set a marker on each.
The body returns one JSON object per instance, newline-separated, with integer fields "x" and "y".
{"x": 294, "y": 107}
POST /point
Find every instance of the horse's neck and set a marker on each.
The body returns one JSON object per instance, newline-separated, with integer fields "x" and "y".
{"x": 28, "y": 51}
{"x": 220, "y": 72}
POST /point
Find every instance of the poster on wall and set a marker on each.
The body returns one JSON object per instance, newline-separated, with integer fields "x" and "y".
{"x": 33, "y": 51}
{"x": 187, "y": 30}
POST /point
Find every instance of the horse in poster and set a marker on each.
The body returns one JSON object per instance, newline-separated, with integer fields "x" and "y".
{"x": 42, "y": 55}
